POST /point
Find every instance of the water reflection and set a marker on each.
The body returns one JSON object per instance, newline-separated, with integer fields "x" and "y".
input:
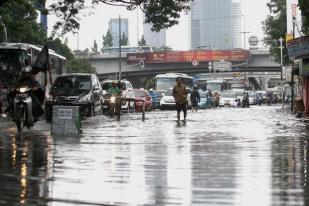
{"x": 25, "y": 169}
{"x": 255, "y": 156}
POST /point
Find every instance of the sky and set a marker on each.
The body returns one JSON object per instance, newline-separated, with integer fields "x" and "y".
{"x": 94, "y": 24}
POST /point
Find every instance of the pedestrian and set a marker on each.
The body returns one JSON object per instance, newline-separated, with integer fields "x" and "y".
{"x": 180, "y": 94}
{"x": 195, "y": 99}
{"x": 154, "y": 98}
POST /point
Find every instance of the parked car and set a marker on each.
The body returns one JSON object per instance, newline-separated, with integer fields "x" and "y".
{"x": 142, "y": 95}
{"x": 76, "y": 89}
{"x": 228, "y": 99}
{"x": 127, "y": 92}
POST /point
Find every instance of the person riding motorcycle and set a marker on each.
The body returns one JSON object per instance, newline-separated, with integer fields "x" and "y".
{"x": 37, "y": 91}
{"x": 114, "y": 91}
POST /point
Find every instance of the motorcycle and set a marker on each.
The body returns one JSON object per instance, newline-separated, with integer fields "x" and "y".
{"x": 23, "y": 108}
{"x": 114, "y": 105}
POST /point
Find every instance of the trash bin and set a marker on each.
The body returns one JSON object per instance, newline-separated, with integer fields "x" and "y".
{"x": 299, "y": 104}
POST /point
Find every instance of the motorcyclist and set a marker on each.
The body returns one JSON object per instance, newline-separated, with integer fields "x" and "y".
{"x": 37, "y": 91}
{"x": 114, "y": 91}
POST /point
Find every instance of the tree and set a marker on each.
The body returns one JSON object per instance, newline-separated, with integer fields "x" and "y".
{"x": 95, "y": 47}
{"x": 19, "y": 17}
{"x": 124, "y": 40}
{"x": 107, "y": 39}
{"x": 304, "y": 7}
{"x": 148, "y": 82}
{"x": 274, "y": 27}
{"x": 160, "y": 13}
{"x": 142, "y": 42}
{"x": 60, "y": 48}
{"x": 80, "y": 66}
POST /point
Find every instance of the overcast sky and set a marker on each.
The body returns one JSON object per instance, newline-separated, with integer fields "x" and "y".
{"x": 93, "y": 27}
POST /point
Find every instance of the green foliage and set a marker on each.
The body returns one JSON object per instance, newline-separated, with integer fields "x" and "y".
{"x": 95, "y": 47}
{"x": 274, "y": 27}
{"x": 304, "y": 7}
{"x": 60, "y": 48}
{"x": 19, "y": 17}
{"x": 124, "y": 40}
{"x": 142, "y": 42}
{"x": 148, "y": 82}
{"x": 80, "y": 66}
{"x": 107, "y": 40}
{"x": 160, "y": 13}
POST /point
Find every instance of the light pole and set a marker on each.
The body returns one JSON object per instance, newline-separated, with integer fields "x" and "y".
{"x": 119, "y": 77}
{"x": 281, "y": 69}
{"x": 4, "y": 29}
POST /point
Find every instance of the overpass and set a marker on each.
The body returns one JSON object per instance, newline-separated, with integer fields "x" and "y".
{"x": 249, "y": 62}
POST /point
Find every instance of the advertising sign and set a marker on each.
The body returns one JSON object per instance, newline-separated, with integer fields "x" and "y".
{"x": 222, "y": 66}
{"x": 188, "y": 56}
{"x": 293, "y": 11}
{"x": 298, "y": 47}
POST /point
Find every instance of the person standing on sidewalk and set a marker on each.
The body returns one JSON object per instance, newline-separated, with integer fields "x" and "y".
{"x": 180, "y": 94}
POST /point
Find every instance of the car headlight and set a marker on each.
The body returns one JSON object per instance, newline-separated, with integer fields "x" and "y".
{"x": 113, "y": 99}
{"x": 23, "y": 89}
{"x": 85, "y": 98}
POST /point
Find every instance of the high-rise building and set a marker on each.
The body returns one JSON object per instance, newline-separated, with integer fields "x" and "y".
{"x": 215, "y": 24}
{"x": 114, "y": 29}
{"x": 154, "y": 39}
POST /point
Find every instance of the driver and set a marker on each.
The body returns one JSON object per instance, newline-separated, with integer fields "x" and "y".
{"x": 37, "y": 91}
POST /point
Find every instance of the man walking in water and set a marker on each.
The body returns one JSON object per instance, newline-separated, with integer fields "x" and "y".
{"x": 180, "y": 94}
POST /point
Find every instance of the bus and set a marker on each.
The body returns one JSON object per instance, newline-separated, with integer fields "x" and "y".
{"x": 168, "y": 80}
{"x": 12, "y": 58}
{"x": 217, "y": 85}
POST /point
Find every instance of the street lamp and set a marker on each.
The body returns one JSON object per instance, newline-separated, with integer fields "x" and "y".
{"x": 4, "y": 29}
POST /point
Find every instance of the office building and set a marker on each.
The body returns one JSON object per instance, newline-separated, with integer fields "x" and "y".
{"x": 114, "y": 29}
{"x": 154, "y": 39}
{"x": 215, "y": 24}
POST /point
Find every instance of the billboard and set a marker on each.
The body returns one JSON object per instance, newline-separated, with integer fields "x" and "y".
{"x": 188, "y": 56}
{"x": 293, "y": 11}
{"x": 298, "y": 48}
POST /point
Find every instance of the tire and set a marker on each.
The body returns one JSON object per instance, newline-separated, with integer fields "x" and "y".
{"x": 20, "y": 118}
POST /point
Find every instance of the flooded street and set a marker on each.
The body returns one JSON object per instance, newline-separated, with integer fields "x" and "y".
{"x": 226, "y": 156}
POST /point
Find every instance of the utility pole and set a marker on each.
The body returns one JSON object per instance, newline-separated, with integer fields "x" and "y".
{"x": 281, "y": 70}
{"x": 4, "y": 29}
{"x": 119, "y": 77}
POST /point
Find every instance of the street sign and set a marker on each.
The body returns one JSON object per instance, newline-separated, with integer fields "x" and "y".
{"x": 222, "y": 66}
{"x": 253, "y": 40}
{"x": 210, "y": 66}
{"x": 195, "y": 63}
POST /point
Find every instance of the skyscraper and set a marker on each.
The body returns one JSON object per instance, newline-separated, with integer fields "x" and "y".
{"x": 215, "y": 24}
{"x": 114, "y": 29}
{"x": 154, "y": 39}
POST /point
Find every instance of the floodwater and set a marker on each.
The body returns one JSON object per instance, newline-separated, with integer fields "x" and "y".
{"x": 227, "y": 156}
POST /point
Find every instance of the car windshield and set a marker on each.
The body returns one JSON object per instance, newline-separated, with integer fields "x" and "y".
{"x": 107, "y": 85}
{"x": 140, "y": 93}
{"x": 72, "y": 85}
{"x": 169, "y": 92}
{"x": 159, "y": 93}
{"x": 202, "y": 94}
{"x": 228, "y": 95}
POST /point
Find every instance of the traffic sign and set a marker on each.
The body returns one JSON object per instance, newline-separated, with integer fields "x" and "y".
{"x": 222, "y": 66}
{"x": 253, "y": 40}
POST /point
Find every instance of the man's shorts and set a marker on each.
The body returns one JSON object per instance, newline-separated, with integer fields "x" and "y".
{"x": 182, "y": 107}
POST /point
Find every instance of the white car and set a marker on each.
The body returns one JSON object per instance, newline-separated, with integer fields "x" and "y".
{"x": 228, "y": 99}
{"x": 127, "y": 92}
{"x": 168, "y": 101}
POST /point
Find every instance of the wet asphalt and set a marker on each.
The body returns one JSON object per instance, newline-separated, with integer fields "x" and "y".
{"x": 225, "y": 156}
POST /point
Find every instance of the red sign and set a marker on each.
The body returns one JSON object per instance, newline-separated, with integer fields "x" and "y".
{"x": 188, "y": 56}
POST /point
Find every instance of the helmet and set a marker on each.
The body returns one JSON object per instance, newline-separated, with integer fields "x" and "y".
{"x": 114, "y": 82}
{"x": 151, "y": 89}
